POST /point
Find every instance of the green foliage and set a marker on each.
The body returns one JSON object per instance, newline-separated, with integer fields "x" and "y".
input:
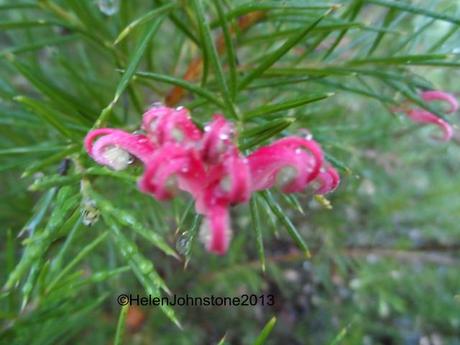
{"x": 380, "y": 267}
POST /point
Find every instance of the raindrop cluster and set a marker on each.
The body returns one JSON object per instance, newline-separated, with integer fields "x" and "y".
{"x": 178, "y": 156}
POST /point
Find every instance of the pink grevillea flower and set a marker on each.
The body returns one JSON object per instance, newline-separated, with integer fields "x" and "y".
{"x": 217, "y": 139}
{"x": 209, "y": 166}
{"x": 423, "y": 116}
{"x": 430, "y": 96}
{"x": 290, "y": 163}
{"x": 328, "y": 180}
{"x": 164, "y": 124}
{"x": 170, "y": 168}
{"x": 116, "y": 148}
{"x": 228, "y": 184}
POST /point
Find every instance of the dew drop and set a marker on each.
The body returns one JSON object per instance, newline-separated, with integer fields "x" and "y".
{"x": 182, "y": 243}
{"x": 207, "y": 128}
{"x": 305, "y": 133}
{"x": 129, "y": 249}
{"x": 180, "y": 108}
{"x": 146, "y": 267}
{"x": 131, "y": 159}
{"x": 139, "y": 132}
{"x": 90, "y": 213}
{"x": 156, "y": 105}
{"x": 109, "y": 7}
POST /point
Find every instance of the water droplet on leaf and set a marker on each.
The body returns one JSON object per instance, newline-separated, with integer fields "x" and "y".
{"x": 90, "y": 213}
{"x": 182, "y": 243}
{"x": 109, "y": 7}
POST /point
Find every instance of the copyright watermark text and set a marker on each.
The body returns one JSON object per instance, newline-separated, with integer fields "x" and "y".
{"x": 191, "y": 301}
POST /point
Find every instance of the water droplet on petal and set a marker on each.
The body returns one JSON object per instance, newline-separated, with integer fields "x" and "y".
{"x": 305, "y": 133}
{"x": 139, "y": 132}
{"x": 180, "y": 108}
{"x": 223, "y": 136}
{"x": 156, "y": 105}
{"x": 109, "y": 7}
{"x": 207, "y": 128}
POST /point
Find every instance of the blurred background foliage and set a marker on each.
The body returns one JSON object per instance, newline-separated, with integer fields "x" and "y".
{"x": 384, "y": 264}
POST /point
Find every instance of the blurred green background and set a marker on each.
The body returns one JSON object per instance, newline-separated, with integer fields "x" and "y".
{"x": 385, "y": 258}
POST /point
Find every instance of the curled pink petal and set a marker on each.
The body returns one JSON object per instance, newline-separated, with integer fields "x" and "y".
{"x": 230, "y": 180}
{"x": 217, "y": 139}
{"x": 423, "y": 116}
{"x": 173, "y": 167}
{"x": 290, "y": 162}
{"x": 215, "y": 230}
{"x": 164, "y": 124}
{"x": 328, "y": 179}
{"x": 441, "y": 96}
{"x": 115, "y": 148}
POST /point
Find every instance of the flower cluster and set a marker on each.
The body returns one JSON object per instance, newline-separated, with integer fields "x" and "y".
{"x": 177, "y": 155}
{"x": 424, "y": 116}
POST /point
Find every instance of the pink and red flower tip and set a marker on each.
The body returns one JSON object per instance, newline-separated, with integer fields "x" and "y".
{"x": 424, "y": 116}
{"x": 208, "y": 165}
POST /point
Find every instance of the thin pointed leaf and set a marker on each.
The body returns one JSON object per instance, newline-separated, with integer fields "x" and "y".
{"x": 254, "y": 207}
{"x": 211, "y": 52}
{"x": 121, "y": 324}
{"x": 130, "y": 70}
{"x": 290, "y": 104}
{"x": 75, "y": 261}
{"x": 405, "y": 6}
{"x": 125, "y": 218}
{"x": 229, "y": 48}
{"x": 280, "y": 52}
{"x": 144, "y": 19}
{"x": 263, "y": 336}
{"x": 291, "y": 229}
{"x": 184, "y": 84}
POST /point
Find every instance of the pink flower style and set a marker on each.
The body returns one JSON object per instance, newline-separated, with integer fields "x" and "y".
{"x": 178, "y": 156}
{"x": 424, "y": 116}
